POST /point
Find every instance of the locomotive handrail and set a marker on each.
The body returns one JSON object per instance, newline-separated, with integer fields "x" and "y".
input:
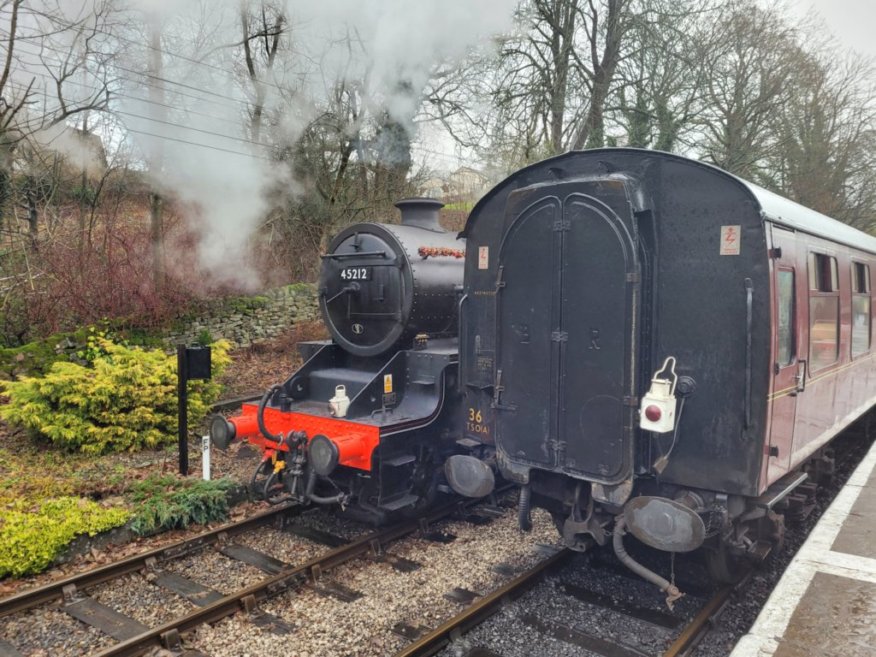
{"x": 749, "y": 293}
{"x": 462, "y": 370}
{"x": 360, "y": 254}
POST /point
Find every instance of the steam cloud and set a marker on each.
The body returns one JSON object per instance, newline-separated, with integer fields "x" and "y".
{"x": 397, "y": 44}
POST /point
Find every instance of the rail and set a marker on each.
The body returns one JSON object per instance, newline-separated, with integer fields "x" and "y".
{"x": 55, "y": 590}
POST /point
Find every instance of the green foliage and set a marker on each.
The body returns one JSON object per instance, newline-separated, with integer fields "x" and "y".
{"x": 123, "y": 398}
{"x": 168, "y": 502}
{"x": 84, "y": 194}
{"x": 35, "y": 358}
{"x": 205, "y": 337}
{"x": 32, "y": 538}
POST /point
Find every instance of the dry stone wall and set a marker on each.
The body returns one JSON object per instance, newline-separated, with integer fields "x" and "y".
{"x": 245, "y": 320}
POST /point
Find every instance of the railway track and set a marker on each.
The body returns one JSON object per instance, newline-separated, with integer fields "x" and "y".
{"x": 71, "y": 595}
{"x": 55, "y": 591}
{"x": 683, "y": 634}
{"x": 234, "y": 402}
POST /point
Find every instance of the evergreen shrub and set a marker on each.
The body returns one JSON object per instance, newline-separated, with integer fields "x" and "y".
{"x": 121, "y": 398}
{"x": 169, "y": 502}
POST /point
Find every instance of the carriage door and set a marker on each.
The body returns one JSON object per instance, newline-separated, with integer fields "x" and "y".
{"x": 789, "y": 364}
{"x": 564, "y": 338}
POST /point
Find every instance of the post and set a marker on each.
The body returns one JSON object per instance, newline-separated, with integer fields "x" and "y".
{"x": 183, "y": 412}
{"x": 205, "y": 457}
{"x": 192, "y": 363}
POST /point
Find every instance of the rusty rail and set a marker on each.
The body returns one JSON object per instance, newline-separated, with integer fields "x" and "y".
{"x": 54, "y": 590}
{"x": 694, "y": 631}
{"x": 234, "y": 402}
{"x": 248, "y": 597}
{"x": 438, "y": 638}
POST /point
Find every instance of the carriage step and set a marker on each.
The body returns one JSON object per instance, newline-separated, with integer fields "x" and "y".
{"x": 780, "y": 490}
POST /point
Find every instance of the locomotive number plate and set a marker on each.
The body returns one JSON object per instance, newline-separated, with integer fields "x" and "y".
{"x": 356, "y": 274}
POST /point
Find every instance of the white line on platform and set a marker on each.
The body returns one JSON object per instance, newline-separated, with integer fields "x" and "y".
{"x": 763, "y": 638}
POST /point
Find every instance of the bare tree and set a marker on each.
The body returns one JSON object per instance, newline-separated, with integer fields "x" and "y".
{"x": 606, "y": 26}
{"x": 262, "y": 28}
{"x": 748, "y": 58}
{"x": 49, "y": 52}
{"x": 659, "y": 82}
{"x": 824, "y": 137}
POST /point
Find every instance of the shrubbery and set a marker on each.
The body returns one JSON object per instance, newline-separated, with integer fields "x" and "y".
{"x": 168, "y": 502}
{"x": 32, "y": 537}
{"x": 122, "y": 398}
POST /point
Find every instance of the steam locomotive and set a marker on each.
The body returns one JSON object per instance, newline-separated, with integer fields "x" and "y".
{"x": 369, "y": 419}
{"x": 644, "y": 343}
{"x": 655, "y": 346}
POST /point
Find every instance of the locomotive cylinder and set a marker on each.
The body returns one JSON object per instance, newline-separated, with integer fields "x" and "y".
{"x": 383, "y": 284}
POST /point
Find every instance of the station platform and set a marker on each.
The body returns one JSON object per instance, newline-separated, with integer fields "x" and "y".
{"x": 825, "y": 603}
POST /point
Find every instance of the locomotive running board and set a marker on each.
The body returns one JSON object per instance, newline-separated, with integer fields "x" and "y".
{"x": 780, "y": 490}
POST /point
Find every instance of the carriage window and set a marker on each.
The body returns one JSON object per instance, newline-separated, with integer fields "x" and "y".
{"x": 822, "y": 273}
{"x": 785, "y": 313}
{"x": 860, "y": 308}
{"x": 823, "y": 311}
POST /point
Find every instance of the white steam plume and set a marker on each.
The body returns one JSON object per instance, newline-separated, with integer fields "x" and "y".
{"x": 201, "y": 139}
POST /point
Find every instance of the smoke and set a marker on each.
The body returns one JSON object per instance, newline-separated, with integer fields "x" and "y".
{"x": 82, "y": 150}
{"x": 192, "y": 125}
{"x": 394, "y": 45}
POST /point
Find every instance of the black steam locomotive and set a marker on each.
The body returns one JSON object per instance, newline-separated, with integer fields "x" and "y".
{"x": 369, "y": 419}
{"x": 654, "y": 346}
{"x": 646, "y": 344}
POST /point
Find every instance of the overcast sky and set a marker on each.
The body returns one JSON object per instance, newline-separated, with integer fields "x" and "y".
{"x": 851, "y": 21}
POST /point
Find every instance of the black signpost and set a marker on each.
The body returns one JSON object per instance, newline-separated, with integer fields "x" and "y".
{"x": 191, "y": 363}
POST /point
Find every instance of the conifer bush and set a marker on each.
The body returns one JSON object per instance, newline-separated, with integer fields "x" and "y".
{"x": 122, "y": 398}
{"x": 170, "y": 502}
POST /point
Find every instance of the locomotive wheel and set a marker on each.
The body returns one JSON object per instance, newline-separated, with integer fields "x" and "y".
{"x": 425, "y": 486}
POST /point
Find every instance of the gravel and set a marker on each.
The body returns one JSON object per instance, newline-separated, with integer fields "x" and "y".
{"x": 50, "y": 632}
{"x": 215, "y": 570}
{"x": 141, "y": 600}
{"x": 281, "y": 545}
{"x": 327, "y": 626}
{"x": 509, "y": 635}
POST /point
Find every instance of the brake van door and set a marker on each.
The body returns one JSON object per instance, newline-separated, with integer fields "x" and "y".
{"x": 599, "y": 282}
{"x": 527, "y": 316}
{"x": 565, "y": 302}
{"x": 789, "y": 365}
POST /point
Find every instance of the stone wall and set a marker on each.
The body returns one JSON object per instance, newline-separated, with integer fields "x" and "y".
{"x": 245, "y": 320}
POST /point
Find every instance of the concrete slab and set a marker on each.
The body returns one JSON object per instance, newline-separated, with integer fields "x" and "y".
{"x": 825, "y": 603}
{"x": 834, "y": 618}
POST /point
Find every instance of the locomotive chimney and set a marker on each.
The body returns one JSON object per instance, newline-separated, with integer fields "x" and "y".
{"x": 420, "y": 212}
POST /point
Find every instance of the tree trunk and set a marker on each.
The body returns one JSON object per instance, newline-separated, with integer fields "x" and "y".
{"x": 156, "y": 95}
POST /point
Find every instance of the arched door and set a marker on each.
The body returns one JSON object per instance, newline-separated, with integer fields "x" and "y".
{"x": 565, "y": 362}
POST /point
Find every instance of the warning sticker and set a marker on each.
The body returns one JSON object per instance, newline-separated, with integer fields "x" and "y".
{"x": 387, "y": 384}
{"x": 731, "y": 241}
{"x": 483, "y": 257}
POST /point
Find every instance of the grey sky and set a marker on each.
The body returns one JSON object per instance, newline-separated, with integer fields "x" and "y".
{"x": 851, "y": 21}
